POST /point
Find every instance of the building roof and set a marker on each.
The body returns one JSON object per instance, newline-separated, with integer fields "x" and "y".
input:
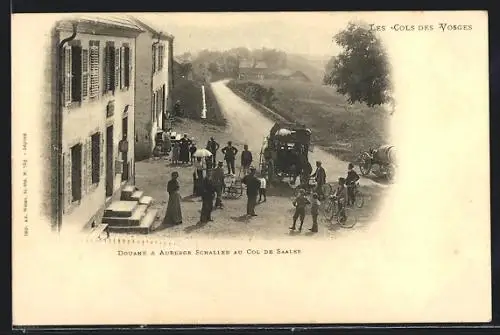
{"x": 248, "y": 64}
{"x": 147, "y": 26}
{"x": 283, "y": 72}
{"x": 117, "y": 21}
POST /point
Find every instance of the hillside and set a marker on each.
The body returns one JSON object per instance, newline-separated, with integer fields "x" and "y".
{"x": 311, "y": 66}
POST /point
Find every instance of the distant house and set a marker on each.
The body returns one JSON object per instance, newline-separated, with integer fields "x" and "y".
{"x": 287, "y": 74}
{"x": 154, "y": 71}
{"x": 252, "y": 69}
{"x": 180, "y": 70}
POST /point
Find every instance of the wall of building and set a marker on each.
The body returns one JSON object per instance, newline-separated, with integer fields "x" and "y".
{"x": 80, "y": 122}
{"x": 143, "y": 98}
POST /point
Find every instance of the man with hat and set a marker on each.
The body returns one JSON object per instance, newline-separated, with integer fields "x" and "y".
{"x": 253, "y": 185}
{"x": 218, "y": 181}
{"x": 213, "y": 146}
{"x": 320, "y": 178}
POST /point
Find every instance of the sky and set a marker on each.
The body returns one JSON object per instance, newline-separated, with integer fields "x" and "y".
{"x": 300, "y": 33}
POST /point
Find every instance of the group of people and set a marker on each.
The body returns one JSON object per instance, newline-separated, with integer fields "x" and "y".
{"x": 344, "y": 195}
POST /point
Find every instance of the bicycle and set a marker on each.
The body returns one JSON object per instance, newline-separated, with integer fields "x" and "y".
{"x": 332, "y": 210}
{"x": 359, "y": 197}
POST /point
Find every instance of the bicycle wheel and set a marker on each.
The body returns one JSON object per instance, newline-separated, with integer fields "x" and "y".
{"x": 344, "y": 219}
{"x": 359, "y": 199}
{"x": 328, "y": 209}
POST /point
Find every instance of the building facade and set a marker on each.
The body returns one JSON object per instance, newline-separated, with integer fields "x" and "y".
{"x": 154, "y": 71}
{"x": 92, "y": 108}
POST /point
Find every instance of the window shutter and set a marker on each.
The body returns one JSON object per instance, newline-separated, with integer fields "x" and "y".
{"x": 94, "y": 71}
{"x": 88, "y": 176}
{"x": 67, "y": 181}
{"x": 122, "y": 67}
{"x": 117, "y": 67}
{"x": 128, "y": 66}
{"x": 67, "y": 76}
{"x": 154, "y": 58}
{"x": 85, "y": 74}
{"x": 153, "y": 118}
{"x": 101, "y": 156}
{"x": 107, "y": 68}
{"x": 84, "y": 181}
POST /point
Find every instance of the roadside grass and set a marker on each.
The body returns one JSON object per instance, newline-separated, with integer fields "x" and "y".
{"x": 341, "y": 129}
{"x": 189, "y": 92}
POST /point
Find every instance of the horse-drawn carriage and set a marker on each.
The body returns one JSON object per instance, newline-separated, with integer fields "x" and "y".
{"x": 380, "y": 161}
{"x": 284, "y": 153}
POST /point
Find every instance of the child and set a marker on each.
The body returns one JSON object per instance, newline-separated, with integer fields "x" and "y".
{"x": 262, "y": 189}
{"x": 340, "y": 193}
{"x": 352, "y": 178}
{"x": 300, "y": 204}
{"x": 314, "y": 212}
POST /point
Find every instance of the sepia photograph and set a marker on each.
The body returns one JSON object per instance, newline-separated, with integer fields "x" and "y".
{"x": 321, "y": 147}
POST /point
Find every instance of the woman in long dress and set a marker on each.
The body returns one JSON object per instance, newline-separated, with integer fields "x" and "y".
{"x": 173, "y": 216}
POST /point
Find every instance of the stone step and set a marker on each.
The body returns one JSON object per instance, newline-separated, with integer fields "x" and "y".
{"x": 144, "y": 227}
{"x": 146, "y": 200}
{"x": 127, "y": 192}
{"x": 132, "y": 220}
{"x": 121, "y": 208}
{"x": 136, "y": 195}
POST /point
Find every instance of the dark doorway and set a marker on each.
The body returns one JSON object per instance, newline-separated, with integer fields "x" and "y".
{"x": 76, "y": 172}
{"x": 109, "y": 161}
{"x": 125, "y": 174}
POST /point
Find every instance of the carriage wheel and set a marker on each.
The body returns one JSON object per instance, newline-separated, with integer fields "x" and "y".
{"x": 359, "y": 199}
{"x": 365, "y": 165}
{"x": 390, "y": 172}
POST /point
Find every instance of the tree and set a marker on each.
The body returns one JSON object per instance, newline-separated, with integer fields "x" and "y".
{"x": 361, "y": 70}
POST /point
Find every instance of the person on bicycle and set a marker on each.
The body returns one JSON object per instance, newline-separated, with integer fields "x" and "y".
{"x": 340, "y": 193}
{"x": 351, "y": 180}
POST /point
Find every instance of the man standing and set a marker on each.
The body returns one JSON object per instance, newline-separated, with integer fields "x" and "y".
{"x": 213, "y": 146}
{"x": 185, "y": 142}
{"x": 246, "y": 160}
{"x": 218, "y": 181}
{"x": 320, "y": 177}
{"x": 207, "y": 198}
{"x": 253, "y": 185}
{"x": 229, "y": 156}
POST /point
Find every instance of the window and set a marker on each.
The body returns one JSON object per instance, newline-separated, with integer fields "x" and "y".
{"x": 96, "y": 157}
{"x": 109, "y": 67}
{"x": 160, "y": 57}
{"x": 76, "y": 62}
{"x": 153, "y": 108}
{"x": 76, "y": 73}
{"x": 94, "y": 69}
{"x": 76, "y": 172}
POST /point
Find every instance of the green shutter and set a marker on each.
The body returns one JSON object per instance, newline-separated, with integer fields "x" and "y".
{"x": 67, "y": 76}
{"x": 68, "y": 197}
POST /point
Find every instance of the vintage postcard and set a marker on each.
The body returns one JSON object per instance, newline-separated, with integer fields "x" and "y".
{"x": 243, "y": 168}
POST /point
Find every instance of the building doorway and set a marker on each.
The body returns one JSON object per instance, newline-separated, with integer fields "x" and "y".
{"x": 109, "y": 161}
{"x": 125, "y": 173}
{"x": 76, "y": 172}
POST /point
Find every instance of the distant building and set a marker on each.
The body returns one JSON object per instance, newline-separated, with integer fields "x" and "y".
{"x": 252, "y": 69}
{"x": 155, "y": 75}
{"x": 90, "y": 109}
{"x": 181, "y": 71}
{"x": 287, "y": 74}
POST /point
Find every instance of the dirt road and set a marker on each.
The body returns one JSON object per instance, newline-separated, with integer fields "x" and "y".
{"x": 251, "y": 126}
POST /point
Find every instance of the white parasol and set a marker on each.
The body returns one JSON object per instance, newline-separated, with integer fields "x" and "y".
{"x": 202, "y": 153}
